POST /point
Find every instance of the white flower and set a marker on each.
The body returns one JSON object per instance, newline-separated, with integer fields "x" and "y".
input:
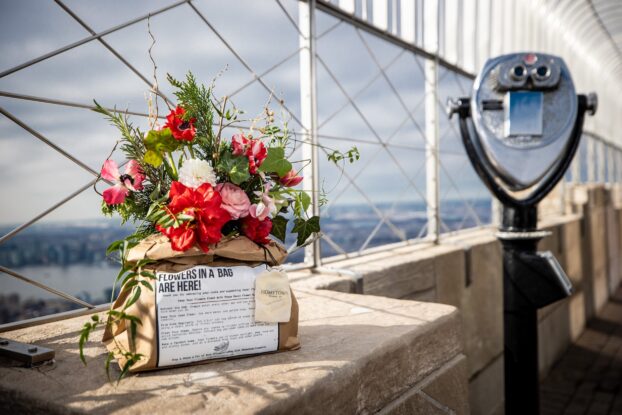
{"x": 195, "y": 172}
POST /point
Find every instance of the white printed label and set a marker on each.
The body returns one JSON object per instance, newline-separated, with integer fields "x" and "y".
{"x": 209, "y": 313}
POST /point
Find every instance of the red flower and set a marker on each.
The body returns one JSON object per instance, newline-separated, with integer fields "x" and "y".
{"x": 202, "y": 203}
{"x": 181, "y": 129}
{"x": 257, "y": 230}
{"x": 256, "y": 154}
{"x": 182, "y": 238}
{"x": 254, "y": 150}
{"x": 239, "y": 143}
{"x": 291, "y": 179}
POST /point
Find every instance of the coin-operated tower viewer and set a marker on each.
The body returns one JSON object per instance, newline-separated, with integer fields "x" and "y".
{"x": 521, "y": 128}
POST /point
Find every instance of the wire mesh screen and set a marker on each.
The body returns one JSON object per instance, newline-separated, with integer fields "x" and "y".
{"x": 464, "y": 200}
{"x": 371, "y": 92}
{"x": 59, "y": 56}
{"x": 371, "y": 97}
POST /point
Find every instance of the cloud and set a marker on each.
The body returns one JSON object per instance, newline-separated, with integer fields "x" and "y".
{"x": 258, "y": 31}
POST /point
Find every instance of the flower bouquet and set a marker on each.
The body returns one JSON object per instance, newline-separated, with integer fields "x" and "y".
{"x": 205, "y": 205}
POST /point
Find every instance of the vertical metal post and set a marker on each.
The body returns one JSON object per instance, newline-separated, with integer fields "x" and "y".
{"x": 616, "y": 165}
{"x": 380, "y": 14}
{"x": 308, "y": 108}
{"x": 590, "y": 159}
{"x": 601, "y": 161}
{"x": 562, "y": 196}
{"x": 576, "y": 167}
{"x": 610, "y": 164}
{"x": 520, "y": 316}
{"x": 431, "y": 130}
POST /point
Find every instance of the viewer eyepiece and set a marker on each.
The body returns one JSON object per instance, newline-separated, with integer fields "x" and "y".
{"x": 542, "y": 72}
{"x": 518, "y": 72}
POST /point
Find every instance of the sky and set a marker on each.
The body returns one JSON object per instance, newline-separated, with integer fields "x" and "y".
{"x": 34, "y": 176}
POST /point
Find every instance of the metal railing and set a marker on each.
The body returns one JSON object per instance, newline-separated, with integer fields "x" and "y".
{"x": 412, "y": 164}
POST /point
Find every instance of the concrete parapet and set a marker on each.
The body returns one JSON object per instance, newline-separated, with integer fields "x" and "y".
{"x": 486, "y": 389}
{"x": 360, "y": 354}
{"x": 465, "y": 271}
{"x": 593, "y": 202}
{"x": 429, "y": 359}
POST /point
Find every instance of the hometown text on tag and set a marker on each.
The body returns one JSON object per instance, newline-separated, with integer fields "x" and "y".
{"x": 273, "y": 299}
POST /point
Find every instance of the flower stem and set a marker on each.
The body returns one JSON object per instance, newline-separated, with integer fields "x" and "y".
{"x": 173, "y": 166}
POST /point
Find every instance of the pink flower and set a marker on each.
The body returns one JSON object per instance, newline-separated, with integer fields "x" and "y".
{"x": 256, "y": 154}
{"x": 234, "y": 200}
{"x": 254, "y": 150}
{"x": 265, "y": 207}
{"x": 131, "y": 180}
{"x": 291, "y": 179}
{"x": 239, "y": 143}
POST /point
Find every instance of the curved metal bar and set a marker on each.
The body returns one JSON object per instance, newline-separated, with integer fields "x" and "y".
{"x": 89, "y": 39}
{"x": 59, "y": 293}
{"x": 545, "y": 187}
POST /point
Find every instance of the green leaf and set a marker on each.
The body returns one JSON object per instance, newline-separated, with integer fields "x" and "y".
{"x": 302, "y": 201}
{"x": 305, "y": 228}
{"x": 84, "y": 336}
{"x": 125, "y": 370}
{"x": 154, "y": 158}
{"x": 109, "y": 359}
{"x": 157, "y": 142}
{"x": 146, "y": 285}
{"x": 148, "y": 274}
{"x": 134, "y": 298}
{"x": 276, "y": 162}
{"x": 169, "y": 170}
{"x": 235, "y": 167}
{"x": 161, "y": 140}
{"x": 129, "y": 282}
{"x": 115, "y": 246}
{"x": 279, "y": 227}
{"x": 182, "y": 217}
{"x": 154, "y": 196}
{"x": 122, "y": 273}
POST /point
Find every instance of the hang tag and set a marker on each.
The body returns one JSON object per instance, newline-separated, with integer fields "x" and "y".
{"x": 273, "y": 299}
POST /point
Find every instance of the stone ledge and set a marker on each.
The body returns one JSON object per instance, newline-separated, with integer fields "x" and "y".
{"x": 359, "y": 353}
{"x": 409, "y": 272}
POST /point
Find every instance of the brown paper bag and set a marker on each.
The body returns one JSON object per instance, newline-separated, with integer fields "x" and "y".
{"x": 163, "y": 342}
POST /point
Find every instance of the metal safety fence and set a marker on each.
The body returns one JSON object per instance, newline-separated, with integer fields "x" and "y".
{"x": 348, "y": 73}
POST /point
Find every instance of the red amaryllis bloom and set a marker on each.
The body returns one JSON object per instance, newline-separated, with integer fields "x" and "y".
{"x": 181, "y": 129}
{"x": 291, "y": 179}
{"x": 254, "y": 150}
{"x": 131, "y": 180}
{"x": 257, "y": 230}
{"x": 202, "y": 203}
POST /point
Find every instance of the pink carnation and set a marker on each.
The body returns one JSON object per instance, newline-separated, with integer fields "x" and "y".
{"x": 234, "y": 200}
